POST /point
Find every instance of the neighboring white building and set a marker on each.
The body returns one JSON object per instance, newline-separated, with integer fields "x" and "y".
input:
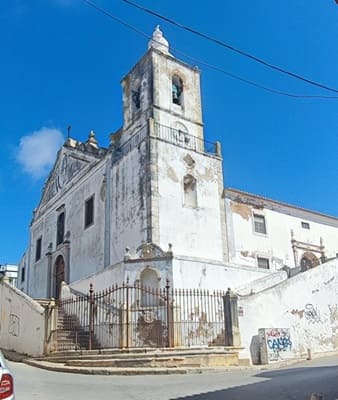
{"x": 270, "y": 234}
{"x": 10, "y": 272}
{"x": 152, "y": 206}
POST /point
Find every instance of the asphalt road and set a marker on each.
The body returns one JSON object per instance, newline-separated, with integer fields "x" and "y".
{"x": 296, "y": 382}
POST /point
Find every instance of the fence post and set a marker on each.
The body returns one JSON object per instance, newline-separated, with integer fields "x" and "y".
{"x": 232, "y": 334}
{"x": 91, "y": 316}
{"x": 127, "y": 315}
{"x": 169, "y": 344}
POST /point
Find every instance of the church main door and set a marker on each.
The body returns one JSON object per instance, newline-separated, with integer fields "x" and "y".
{"x": 59, "y": 275}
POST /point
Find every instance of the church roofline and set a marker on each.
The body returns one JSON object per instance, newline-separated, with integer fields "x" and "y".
{"x": 268, "y": 201}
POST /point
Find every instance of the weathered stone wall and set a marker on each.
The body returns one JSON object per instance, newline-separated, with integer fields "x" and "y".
{"x": 306, "y": 304}
{"x": 22, "y": 322}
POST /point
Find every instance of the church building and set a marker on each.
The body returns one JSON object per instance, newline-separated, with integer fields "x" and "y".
{"x": 152, "y": 206}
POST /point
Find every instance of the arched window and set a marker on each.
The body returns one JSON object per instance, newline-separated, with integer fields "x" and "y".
{"x": 308, "y": 261}
{"x": 190, "y": 191}
{"x": 60, "y": 229}
{"x": 177, "y": 90}
{"x": 149, "y": 285}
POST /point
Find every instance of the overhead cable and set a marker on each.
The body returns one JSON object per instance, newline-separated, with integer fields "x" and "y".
{"x": 216, "y": 68}
{"x": 230, "y": 47}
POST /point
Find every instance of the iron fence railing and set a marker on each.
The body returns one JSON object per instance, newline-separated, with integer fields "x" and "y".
{"x": 135, "y": 315}
{"x": 184, "y": 139}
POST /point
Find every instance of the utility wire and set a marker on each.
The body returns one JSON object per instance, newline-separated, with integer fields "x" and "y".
{"x": 229, "y": 47}
{"x": 231, "y": 75}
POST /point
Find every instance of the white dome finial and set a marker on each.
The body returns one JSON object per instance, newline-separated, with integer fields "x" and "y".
{"x": 158, "y": 41}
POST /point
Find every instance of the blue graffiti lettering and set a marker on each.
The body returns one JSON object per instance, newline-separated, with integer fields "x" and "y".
{"x": 280, "y": 344}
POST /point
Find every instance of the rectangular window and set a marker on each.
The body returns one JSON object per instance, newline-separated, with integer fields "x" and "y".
{"x": 22, "y": 274}
{"x": 305, "y": 225}
{"x": 38, "y": 249}
{"x": 259, "y": 221}
{"x": 263, "y": 262}
{"x": 89, "y": 212}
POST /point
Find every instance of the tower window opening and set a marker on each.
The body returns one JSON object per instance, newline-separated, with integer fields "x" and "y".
{"x": 190, "y": 191}
{"x": 177, "y": 90}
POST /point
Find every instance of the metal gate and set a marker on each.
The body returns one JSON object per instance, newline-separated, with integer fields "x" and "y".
{"x": 134, "y": 315}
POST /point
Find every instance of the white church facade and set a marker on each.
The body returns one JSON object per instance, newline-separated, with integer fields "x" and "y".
{"x": 152, "y": 207}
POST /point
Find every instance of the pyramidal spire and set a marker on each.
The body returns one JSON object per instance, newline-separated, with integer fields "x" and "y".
{"x": 158, "y": 41}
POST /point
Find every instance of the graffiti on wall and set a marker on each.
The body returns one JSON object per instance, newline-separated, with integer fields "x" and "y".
{"x": 14, "y": 325}
{"x": 312, "y": 314}
{"x": 278, "y": 343}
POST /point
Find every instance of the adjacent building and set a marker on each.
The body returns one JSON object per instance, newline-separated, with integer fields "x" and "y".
{"x": 10, "y": 273}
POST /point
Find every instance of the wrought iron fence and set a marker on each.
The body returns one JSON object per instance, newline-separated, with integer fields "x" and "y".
{"x": 134, "y": 315}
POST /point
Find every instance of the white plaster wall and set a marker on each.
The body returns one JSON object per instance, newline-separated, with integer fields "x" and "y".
{"x": 22, "y": 322}
{"x": 245, "y": 245}
{"x": 192, "y": 231}
{"x": 86, "y": 245}
{"x": 100, "y": 280}
{"x": 120, "y": 272}
{"x": 129, "y": 184}
{"x": 307, "y": 304}
{"x": 166, "y": 112}
{"x": 139, "y": 78}
{"x": 189, "y": 272}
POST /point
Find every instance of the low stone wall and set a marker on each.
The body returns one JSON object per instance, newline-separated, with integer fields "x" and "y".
{"x": 305, "y": 306}
{"x": 22, "y": 322}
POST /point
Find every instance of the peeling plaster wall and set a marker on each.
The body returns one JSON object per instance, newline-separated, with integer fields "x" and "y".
{"x": 129, "y": 202}
{"x": 245, "y": 245}
{"x": 22, "y": 322}
{"x": 189, "y": 272}
{"x": 307, "y": 304}
{"x": 165, "y": 111}
{"x": 192, "y": 230}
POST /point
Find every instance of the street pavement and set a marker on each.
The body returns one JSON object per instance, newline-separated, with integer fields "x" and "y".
{"x": 296, "y": 382}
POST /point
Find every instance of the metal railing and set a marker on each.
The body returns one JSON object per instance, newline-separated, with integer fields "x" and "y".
{"x": 135, "y": 315}
{"x": 166, "y": 134}
{"x": 183, "y": 139}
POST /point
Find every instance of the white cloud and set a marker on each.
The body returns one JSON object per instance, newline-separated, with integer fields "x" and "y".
{"x": 36, "y": 152}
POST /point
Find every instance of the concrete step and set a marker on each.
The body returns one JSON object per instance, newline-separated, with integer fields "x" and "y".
{"x": 145, "y": 358}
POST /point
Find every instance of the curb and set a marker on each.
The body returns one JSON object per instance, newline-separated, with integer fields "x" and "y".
{"x": 59, "y": 367}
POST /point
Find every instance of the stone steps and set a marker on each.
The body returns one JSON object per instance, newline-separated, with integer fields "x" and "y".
{"x": 147, "y": 358}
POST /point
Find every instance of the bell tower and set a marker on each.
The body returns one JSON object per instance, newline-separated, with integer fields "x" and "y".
{"x": 172, "y": 181}
{"x": 163, "y": 88}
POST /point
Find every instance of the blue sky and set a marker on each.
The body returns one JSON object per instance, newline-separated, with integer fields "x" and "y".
{"x": 62, "y": 62}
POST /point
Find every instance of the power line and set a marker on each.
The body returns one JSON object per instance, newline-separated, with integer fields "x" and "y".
{"x": 231, "y": 75}
{"x": 230, "y": 47}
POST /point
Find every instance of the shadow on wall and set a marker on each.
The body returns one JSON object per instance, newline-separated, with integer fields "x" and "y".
{"x": 284, "y": 384}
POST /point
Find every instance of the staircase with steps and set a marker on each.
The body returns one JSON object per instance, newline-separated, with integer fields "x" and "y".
{"x": 70, "y": 334}
{"x": 141, "y": 361}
